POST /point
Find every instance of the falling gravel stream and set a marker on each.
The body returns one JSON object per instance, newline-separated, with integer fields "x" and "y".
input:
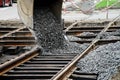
{"x": 49, "y": 34}
{"x": 48, "y": 29}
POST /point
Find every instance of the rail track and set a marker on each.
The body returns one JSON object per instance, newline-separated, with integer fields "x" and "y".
{"x": 31, "y": 65}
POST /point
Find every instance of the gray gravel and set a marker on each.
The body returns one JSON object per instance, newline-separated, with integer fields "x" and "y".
{"x": 73, "y": 38}
{"x": 110, "y": 35}
{"x": 71, "y": 47}
{"x": 105, "y": 35}
{"x": 86, "y": 34}
{"x": 48, "y": 29}
{"x": 103, "y": 61}
{"x": 118, "y": 31}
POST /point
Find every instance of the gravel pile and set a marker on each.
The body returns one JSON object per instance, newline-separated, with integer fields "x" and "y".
{"x": 103, "y": 61}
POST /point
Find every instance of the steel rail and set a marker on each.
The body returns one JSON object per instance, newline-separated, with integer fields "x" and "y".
{"x": 18, "y": 60}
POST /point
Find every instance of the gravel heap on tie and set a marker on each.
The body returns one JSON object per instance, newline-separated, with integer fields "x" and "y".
{"x": 105, "y": 35}
{"x": 103, "y": 61}
{"x": 73, "y": 38}
{"x": 87, "y": 34}
{"x": 110, "y": 35}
